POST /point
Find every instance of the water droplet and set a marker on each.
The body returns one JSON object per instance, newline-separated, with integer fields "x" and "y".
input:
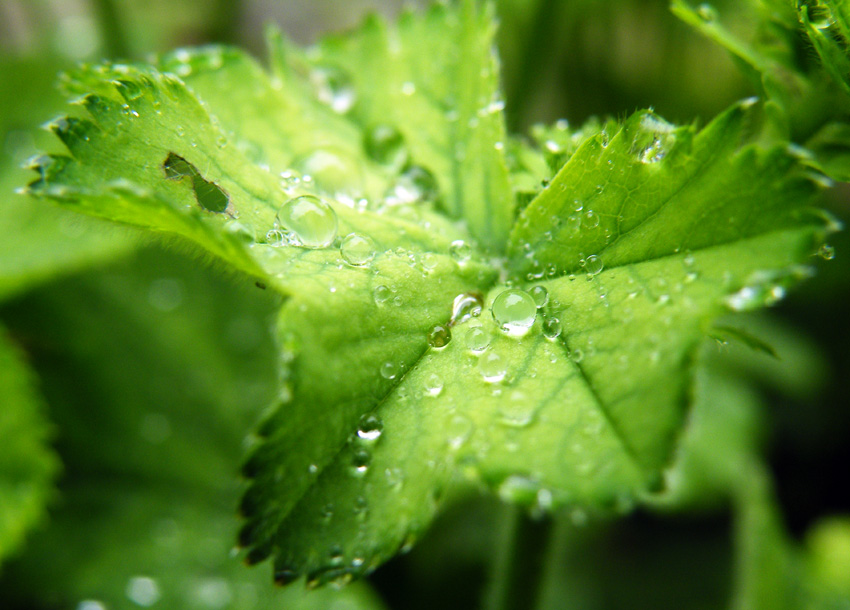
{"x": 310, "y": 221}
{"x": 590, "y": 220}
{"x": 381, "y": 294}
{"x": 429, "y": 261}
{"x": 334, "y": 88}
{"x": 592, "y": 265}
{"x": 357, "y": 250}
{"x": 91, "y": 604}
{"x": 460, "y": 251}
{"x": 492, "y": 367}
{"x": 390, "y": 370}
{"x": 551, "y": 328}
{"x": 464, "y": 307}
{"x": 385, "y": 144}
{"x": 433, "y": 385}
{"x": 576, "y": 355}
{"x": 516, "y": 410}
{"x": 827, "y": 252}
{"x": 414, "y": 185}
{"x": 519, "y": 489}
{"x": 439, "y": 336}
{"x": 458, "y": 431}
{"x": 707, "y": 12}
{"x": 143, "y": 591}
{"x": 370, "y": 428}
{"x": 360, "y": 462}
{"x": 515, "y": 311}
{"x": 540, "y": 296}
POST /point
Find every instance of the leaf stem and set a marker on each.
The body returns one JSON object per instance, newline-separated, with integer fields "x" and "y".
{"x": 518, "y": 563}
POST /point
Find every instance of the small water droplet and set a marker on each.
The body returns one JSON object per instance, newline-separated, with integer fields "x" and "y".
{"x": 385, "y": 145}
{"x": 360, "y": 462}
{"x": 460, "y": 251}
{"x": 382, "y": 294}
{"x": 370, "y": 428}
{"x": 516, "y": 410}
{"x": 477, "y": 339}
{"x": 334, "y": 88}
{"x": 590, "y": 219}
{"x": 492, "y": 367}
{"x": 458, "y": 431}
{"x": 415, "y": 184}
{"x": 707, "y": 12}
{"x": 514, "y": 311}
{"x": 309, "y": 221}
{"x": 551, "y": 328}
{"x": 433, "y": 385}
{"x": 357, "y": 250}
{"x": 439, "y": 336}
{"x": 593, "y": 265}
{"x": 576, "y": 355}
{"x": 390, "y": 370}
{"x": 827, "y": 252}
{"x": 540, "y": 296}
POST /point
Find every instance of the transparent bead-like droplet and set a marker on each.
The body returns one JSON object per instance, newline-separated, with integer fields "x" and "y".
{"x": 334, "y": 88}
{"x": 515, "y": 311}
{"x": 433, "y": 385}
{"x": 593, "y": 266}
{"x": 464, "y": 307}
{"x": 390, "y": 370}
{"x": 385, "y": 144}
{"x": 357, "y": 250}
{"x": 310, "y": 221}
{"x": 439, "y": 336}
{"x": 477, "y": 339}
{"x": 551, "y": 328}
{"x": 370, "y": 429}
{"x": 540, "y": 296}
{"x": 492, "y": 367}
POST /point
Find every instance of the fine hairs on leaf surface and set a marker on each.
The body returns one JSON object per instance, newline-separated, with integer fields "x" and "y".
{"x": 446, "y": 319}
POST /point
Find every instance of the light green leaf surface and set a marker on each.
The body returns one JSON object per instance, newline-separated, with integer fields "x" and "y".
{"x": 27, "y": 463}
{"x": 434, "y": 78}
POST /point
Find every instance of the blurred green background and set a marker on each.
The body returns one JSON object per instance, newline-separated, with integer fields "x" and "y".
{"x": 152, "y": 383}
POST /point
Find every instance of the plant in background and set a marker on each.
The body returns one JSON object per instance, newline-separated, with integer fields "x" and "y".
{"x": 455, "y": 310}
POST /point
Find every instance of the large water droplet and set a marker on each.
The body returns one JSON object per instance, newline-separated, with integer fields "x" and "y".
{"x": 309, "y": 221}
{"x": 464, "y": 307}
{"x": 370, "y": 428}
{"x": 357, "y": 250}
{"x": 385, "y": 144}
{"x": 515, "y": 311}
{"x": 492, "y": 367}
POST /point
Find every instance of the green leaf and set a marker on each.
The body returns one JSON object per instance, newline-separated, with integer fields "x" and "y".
{"x": 656, "y": 190}
{"x": 407, "y": 356}
{"x": 434, "y": 79}
{"x": 27, "y": 463}
{"x": 150, "y": 445}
